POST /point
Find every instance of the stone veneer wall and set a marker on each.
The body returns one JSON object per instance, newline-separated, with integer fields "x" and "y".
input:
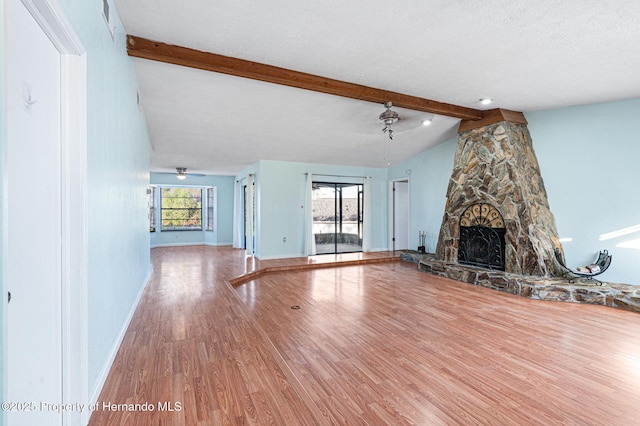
{"x": 496, "y": 164}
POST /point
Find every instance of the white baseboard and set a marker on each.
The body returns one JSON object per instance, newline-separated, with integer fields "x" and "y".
{"x": 102, "y": 377}
{"x": 177, "y": 244}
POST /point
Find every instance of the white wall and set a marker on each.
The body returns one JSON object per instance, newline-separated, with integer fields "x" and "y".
{"x": 223, "y": 228}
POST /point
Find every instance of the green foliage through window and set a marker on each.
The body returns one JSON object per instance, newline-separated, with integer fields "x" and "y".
{"x": 181, "y": 209}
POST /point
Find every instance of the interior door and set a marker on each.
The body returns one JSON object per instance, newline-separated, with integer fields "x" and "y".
{"x": 400, "y": 215}
{"x": 32, "y": 223}
{"x": 250, "y": 217}
{"x": 244, "y": 216}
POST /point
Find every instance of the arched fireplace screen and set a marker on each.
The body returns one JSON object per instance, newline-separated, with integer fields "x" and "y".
{"x": 481, "y": 240}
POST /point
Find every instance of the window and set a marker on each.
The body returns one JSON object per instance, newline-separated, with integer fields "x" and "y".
{"x": 210, "y": 196}
{"x": 152, "y": 208}
{"x": 181, "y": 209}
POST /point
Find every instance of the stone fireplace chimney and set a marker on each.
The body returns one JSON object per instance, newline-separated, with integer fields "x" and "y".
{"x": 497, "y": 208}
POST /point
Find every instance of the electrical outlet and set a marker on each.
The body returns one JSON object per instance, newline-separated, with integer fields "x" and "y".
{"x": 284, "y": 239}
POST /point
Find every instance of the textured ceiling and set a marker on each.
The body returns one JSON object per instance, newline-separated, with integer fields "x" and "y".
{"x": 525, "y": 55}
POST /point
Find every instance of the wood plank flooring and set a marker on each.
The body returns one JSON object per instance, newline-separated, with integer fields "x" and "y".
{"x": 377, "y": 344}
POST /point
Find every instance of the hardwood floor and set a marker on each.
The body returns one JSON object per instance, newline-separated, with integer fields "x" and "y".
{"x": 377, "y": 344}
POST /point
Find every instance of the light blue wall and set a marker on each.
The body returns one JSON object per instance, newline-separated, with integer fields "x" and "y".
{"x": 280, "y": 192}
{"x": 223, "y": 228}
{"x": 118, "y": 164}
{"x": 428, "y": 174}
{"x": 588, "y": 157}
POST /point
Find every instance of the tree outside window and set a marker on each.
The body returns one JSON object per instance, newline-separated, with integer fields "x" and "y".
{"x": 181, "y": 209}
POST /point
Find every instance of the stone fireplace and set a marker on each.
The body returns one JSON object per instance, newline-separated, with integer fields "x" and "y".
{"x": 497, "y": 215}
{"x": 497, "y": 229}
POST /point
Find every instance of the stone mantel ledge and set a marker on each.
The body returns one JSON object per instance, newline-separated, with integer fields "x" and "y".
{"x": 623, "y": 296}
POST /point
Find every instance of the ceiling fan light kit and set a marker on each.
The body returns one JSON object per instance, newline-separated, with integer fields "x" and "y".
{"x": 388, "y": 118}
{"x": 182, "y": 173}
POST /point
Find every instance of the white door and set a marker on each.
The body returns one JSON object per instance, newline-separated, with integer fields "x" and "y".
{"x": 32, "y": 225}
{"x": 400, "y": 215}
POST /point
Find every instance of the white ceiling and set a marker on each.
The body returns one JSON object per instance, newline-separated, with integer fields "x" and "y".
{"x": 526, "y": 55}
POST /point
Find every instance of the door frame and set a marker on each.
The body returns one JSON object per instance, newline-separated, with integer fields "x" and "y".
{"x": 338, "y": 207}
{"x": 392, "y": 211}
{"x": 73, "y": 92}
{"x": 250, "y": 206}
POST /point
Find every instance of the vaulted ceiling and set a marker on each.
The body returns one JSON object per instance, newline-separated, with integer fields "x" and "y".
{"x": 524, "y": 55}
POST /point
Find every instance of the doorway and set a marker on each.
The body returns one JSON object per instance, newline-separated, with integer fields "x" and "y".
{"x": 337, "y": 217}
{"x": 245, "y": 223}
{"x": 400, "y": 215}
{"x": 249, "y": 216}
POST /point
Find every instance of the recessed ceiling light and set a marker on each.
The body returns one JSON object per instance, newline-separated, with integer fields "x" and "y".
{"x": 426, "y": 122}
{"x": 485, "y": 101}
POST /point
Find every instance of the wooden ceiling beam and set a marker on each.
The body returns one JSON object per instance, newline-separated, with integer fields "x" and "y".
{"x": 157, "y": 51}
{"x": 493, "y": 116}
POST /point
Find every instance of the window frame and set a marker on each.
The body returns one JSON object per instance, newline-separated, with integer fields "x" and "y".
{"x": 153, "y": 208}
{"x": 210, "y": 216}
{"x": 338, "y": 211}
{"x": 161, "y": 208}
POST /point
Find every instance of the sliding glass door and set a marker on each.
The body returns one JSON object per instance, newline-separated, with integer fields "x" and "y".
{"x": 337, "y": 217}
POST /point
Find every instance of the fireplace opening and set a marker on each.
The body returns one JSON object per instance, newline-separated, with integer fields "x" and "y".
{"x": 482, "y": 237}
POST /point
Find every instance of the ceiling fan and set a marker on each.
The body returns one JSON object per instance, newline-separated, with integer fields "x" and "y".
{"x": 182, "y": 173}
{"x": 388, "y": 118}
{"x": 394, "y": 122}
